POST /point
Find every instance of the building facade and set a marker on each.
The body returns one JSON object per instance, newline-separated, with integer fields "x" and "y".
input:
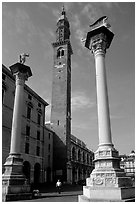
{"x": 64, "y": 167}
{"x": 34, "y": 133}
{"x": 81, "y": 161}
{"x": 128, "y": 164}
{"x": 38, "y": 140}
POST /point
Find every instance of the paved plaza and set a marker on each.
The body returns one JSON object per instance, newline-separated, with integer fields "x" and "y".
{"x": 48, "y": 193}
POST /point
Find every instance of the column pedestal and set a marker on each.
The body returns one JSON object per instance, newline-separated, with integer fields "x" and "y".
{"x": 14, "y": 183}
{"x": 107, "y": 181}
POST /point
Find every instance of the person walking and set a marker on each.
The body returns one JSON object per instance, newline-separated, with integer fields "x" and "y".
{"x": 58, "y": 186}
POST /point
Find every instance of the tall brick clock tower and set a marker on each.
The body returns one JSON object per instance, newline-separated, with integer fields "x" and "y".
{"x": 61, "y": 99}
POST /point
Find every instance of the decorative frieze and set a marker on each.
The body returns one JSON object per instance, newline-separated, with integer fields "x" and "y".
{"x": 106, "y": 153}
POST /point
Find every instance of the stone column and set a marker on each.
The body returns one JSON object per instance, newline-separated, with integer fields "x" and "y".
{"x": 102, "y": 95}
{"x": 15, "y": 186}
{"x": 17, "y": 113}
{"x": 107, "y": 181}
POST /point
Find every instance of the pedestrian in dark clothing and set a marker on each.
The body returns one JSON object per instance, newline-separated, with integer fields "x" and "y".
{"x": 58, "y": 186}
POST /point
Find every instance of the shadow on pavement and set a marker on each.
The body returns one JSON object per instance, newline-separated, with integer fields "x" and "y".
{"x": 49, "y": 188}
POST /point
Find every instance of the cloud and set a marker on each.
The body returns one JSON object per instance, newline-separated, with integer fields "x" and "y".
{"x": 43, "y": 5}
{"x": 78, "y": 29}
{"x": 56, "y": 13}
{"x": 80, "y": 101}
{"x": 68, "y": 5}
{"x": 109, "y": 5}
{"x": 82, "y": 125}
{"x": 52, "y": 34}
{"x": 91, "y": 11}
{"x": 19, "y": 24}
{"x": 25, "y": 26}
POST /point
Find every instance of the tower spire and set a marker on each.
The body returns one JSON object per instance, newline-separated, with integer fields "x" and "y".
{"x": 63, "y": 10}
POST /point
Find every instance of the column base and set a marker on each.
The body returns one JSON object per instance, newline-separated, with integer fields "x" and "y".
{"x": 107, "y": 182}
{"x": 14, "y": 183}
{"x": 91, "y": 194}
{"x": 7, "y": 196}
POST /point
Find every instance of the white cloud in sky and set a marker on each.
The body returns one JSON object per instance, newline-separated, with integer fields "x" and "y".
{"x": 43, "y": 5}
{"x": 68, "y": 5}
{"x": 78, "y": 28}
{"x": 56, "y": 13}
{"x": 91, "y": 11}
{"x": 22, "y": 22}
{"x": 81, "y": 101}
{"x": 109, "y": 5}
{"x": 19, "y": 24}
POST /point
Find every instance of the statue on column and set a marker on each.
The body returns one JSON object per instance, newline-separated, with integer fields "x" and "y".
{"x": 101, "y": 22}
{"x": 22, "y": 57}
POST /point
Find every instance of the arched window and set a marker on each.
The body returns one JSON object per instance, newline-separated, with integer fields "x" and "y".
{"x": 26, "y": 169}
{"x": 60, "y": 52}
{"x": 87, "y": 159}
{"x": 79, "y": 155}
{"x": 91, "y": 159}
{"x": 37, "y": 170}
{"x": 83, "y": 157}
{"x": 73, "y": 153}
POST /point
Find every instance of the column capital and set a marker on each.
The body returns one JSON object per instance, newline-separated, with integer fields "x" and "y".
{"x": 98, "y": 40}
{"x": 21, "y": 71}
{"x": 99, "y": 46}
{"x": 21, "y": 78}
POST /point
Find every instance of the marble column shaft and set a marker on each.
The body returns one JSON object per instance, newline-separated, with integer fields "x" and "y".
{"x": 104, "y": 127}
{"x": 17, "y": 114}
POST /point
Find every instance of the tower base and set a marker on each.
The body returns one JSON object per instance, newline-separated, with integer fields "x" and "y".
{"x": 14, "y": 183}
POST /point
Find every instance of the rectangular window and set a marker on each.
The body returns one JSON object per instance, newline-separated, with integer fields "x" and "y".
{"x": 28, "y": 112}
{"x": 27, "y": 148}
{"x": 58, "y": 122}
{"x": 3, "y": 93}
{"x": 39, "y": 105}
{"x": 28, "y": 130}
{"x": 38, "y": 135}
{"x": 38, "y": 151}
{"x": 29, "y": 97}
{"x": 49, "y": 160}
{"x": 39, "y": 119}
{"x": 49, "y": 148}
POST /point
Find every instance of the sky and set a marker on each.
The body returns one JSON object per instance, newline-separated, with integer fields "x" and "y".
{"x": 30, "y": 27}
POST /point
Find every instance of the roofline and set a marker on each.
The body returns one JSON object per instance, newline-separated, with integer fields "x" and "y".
{"x": 48, "y": 129}
{"x": 36, "y": 95}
